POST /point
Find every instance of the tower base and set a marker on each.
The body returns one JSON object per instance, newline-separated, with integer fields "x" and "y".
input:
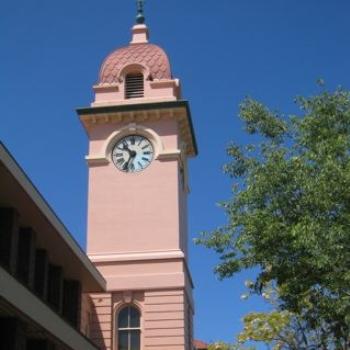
{"x": 166, "y": 318}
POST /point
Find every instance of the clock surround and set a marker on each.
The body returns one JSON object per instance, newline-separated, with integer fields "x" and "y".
{"x": 132, "y": 153}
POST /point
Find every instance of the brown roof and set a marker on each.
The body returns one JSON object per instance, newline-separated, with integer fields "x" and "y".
{"x": 148, "y": 55}
{"x": 200, "y": 345}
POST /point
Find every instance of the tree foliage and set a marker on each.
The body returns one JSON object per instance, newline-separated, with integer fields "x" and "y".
{"x": 279, "y": 329}
{"x": 290, "y": 211}
{"x": 225, "y": 346}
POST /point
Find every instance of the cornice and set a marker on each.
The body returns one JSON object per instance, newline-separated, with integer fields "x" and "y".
{"x": 176, "y": 110}
{"x": 136, "y": 256}
{"x": 169, "y": 155}
{"x": 132, "y": 257}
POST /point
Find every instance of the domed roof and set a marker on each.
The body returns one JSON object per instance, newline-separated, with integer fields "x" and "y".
{"x": 148, "y": 55}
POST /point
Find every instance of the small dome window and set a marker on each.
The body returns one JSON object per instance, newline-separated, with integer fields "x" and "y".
{"x": 134, "y": 85}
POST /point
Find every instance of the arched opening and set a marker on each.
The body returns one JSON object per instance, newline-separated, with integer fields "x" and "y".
{"x": 129, "y": 329}
{"x": 134, "y": 85}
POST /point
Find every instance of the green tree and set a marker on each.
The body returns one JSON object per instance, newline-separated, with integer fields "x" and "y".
{"x": 224, "y": 346}
{"x": 290, "y": 211}
{"x": 278, "y": 329}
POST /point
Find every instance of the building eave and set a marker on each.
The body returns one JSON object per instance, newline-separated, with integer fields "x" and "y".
{"x": 37, "y": 312}
{"x": 95, "y": 281}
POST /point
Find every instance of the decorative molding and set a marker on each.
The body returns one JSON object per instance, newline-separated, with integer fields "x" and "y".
{"x": 170, "y": 155}
{"x": 184, "y": 167}
{"x": 106, "y": 87}
{"x": 131, "y": 68}
{"x": 98, "y": 116}
{"x": 97, "y": 160}
{"x": 127, "y": 297}
{"x": 137, "y": 256}
{"x": 158, "y": 84}
{"x": 131, "y": 101}
{"x": 132, "y": 127}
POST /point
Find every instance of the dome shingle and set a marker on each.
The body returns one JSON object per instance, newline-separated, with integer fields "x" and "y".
{"x": 149, "y": 55}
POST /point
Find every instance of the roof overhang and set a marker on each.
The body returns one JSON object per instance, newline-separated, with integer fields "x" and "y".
{"x": 19, "y": 302}
{"x": 17, "y": 191}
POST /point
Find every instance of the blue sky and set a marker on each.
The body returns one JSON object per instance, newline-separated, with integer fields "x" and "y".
{"x": 222, "y": 51}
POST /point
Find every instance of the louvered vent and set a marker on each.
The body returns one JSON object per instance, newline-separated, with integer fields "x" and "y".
{"x": 134, "y": 86}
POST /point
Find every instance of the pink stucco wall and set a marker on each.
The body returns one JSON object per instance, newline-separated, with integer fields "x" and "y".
{"x": 164, "y": 323}
{"x": 137, "y": 223}
{"x": 134, "y": 212}
{"x": 137, "y": 238}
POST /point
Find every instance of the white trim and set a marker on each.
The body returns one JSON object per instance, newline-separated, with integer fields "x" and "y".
{"x": 136, "y": 256}
{"x": 31, "y": 306}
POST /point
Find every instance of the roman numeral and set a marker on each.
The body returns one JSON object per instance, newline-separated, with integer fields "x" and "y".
{"x": 118, "y": 155}
{"x": 148, "y": 152}
{"x": 120, "y": 160}
{"x": 145, "y": 159}
{"x": 132, "y": 139}
{"x": 144, "y": 147}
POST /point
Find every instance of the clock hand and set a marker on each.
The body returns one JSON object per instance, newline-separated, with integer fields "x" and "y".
{"x": 126, "y": 148}
{"x": 132, "y": 157}
{"x": 126, "y": 165}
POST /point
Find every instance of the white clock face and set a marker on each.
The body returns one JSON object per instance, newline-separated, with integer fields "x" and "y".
{"x": 132, "y": 153}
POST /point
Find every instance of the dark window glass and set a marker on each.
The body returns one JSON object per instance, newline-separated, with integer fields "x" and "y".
{"x": 134, "y": 318}
{"x": 123, "y": 318}
{"x": 123, "y": 340}
{"x": 135, "y": 340}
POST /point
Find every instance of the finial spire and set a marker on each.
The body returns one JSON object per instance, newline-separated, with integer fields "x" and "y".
{"x": 140, "y": 18}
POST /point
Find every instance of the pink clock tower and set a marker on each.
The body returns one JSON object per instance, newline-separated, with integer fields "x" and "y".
{"x": 140, "y": 137}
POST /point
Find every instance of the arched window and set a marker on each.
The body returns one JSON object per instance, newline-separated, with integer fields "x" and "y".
{"x": 129, "y": 329}
{"x": 134, "y": 86}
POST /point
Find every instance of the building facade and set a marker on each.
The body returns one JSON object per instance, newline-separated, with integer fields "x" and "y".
{"x": 44, "y": 275}
{"x": 140, "y": 138}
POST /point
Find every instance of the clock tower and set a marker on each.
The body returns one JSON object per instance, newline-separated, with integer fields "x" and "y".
{"x": 140, "y": 138}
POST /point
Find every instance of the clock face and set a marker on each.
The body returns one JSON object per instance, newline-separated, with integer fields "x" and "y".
{"x": 132, "y": 153}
